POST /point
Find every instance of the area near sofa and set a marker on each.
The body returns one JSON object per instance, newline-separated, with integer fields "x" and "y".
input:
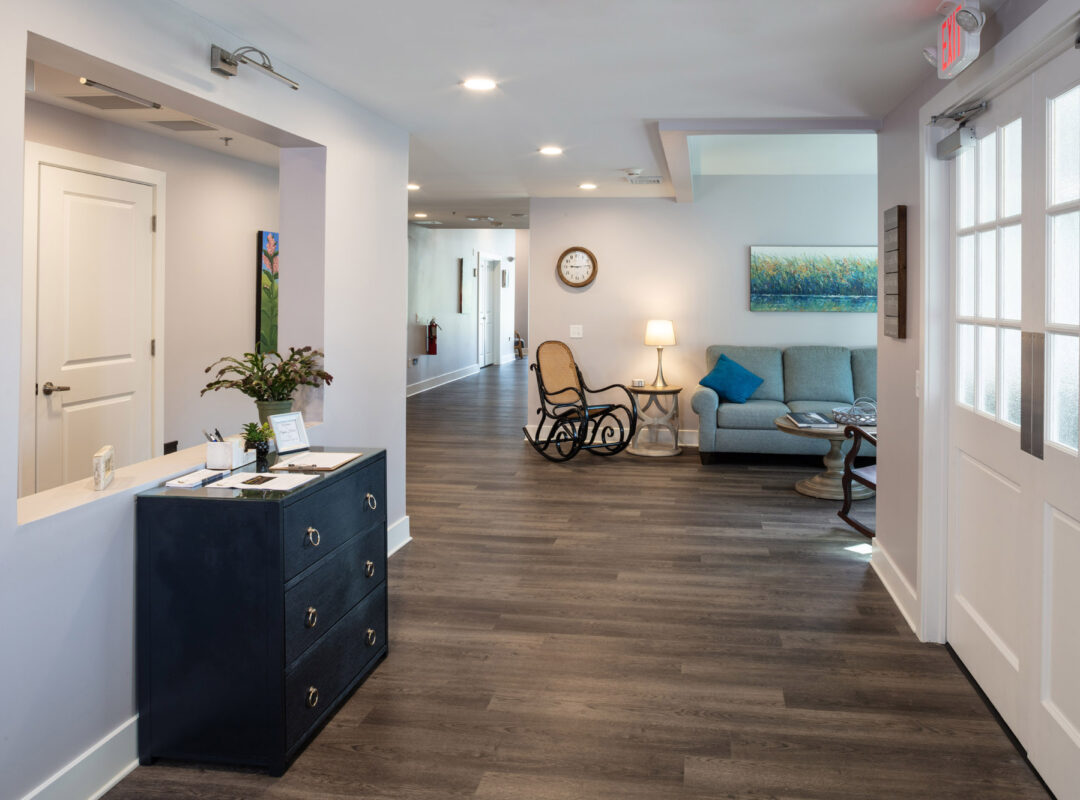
{"x": 801, "y": 378}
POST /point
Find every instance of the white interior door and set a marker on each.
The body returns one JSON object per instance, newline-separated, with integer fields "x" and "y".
{"x": 1014, "y": 530}
{"x": 94, "y": 322}
{"x": 487, "y": 305}
{"x": 483, "y": 312}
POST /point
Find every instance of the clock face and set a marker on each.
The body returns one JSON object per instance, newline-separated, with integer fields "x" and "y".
{"x": 576, "y": 267}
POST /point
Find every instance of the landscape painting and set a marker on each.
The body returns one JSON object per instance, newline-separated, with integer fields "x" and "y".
{"x": 813, "y": 279}
{"x": 266, "y": 297}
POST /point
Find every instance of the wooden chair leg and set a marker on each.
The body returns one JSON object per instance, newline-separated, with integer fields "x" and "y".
{"x": 845, "y": 511}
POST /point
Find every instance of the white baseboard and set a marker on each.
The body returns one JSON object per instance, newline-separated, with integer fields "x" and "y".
{"x": 397, "y": 536}
{"x": 688, "y": 438}
{"x": 440, "y": 380}
{"x": 506, "y": 359}
{"x": 901, "y": 590}
{"x": 94, "y": 772}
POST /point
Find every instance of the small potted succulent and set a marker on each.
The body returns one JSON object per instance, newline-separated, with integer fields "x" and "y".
{"x": 257, "y": 437}
{"x": 270, "y": 378}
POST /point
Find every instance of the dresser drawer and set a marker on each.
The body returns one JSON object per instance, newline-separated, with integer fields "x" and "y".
{"x": 312, "y": 687}
{"x": 339, "y": 582}
{"x": 319, "y": 524}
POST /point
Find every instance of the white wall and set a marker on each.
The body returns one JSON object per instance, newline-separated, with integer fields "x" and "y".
{"x": 214, "y": 206}
{"x": 896, "y": 556}
{"x": 521, "y": 284}
{"x": 66, "y": 599}
{"x": 433, "y": 292}
{"x": 689, "y": 262}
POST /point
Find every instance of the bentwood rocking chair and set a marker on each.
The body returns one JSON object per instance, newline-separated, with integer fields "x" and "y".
{"x": 569, "y": 420}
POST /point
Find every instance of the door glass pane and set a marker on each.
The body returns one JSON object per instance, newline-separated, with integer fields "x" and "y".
{"x": 965, "y": 189}
{"x": 1064, "y": 357}
{"x": 965, "y": 277}
{"x": 1065, "y": 269}
{"x": 965, "y": 364}
{"x": 987, "y": 255}
{"x": 1010, "y": 375}
{"x": 1010, "y": 169}
{"x": 1065, "y": 147}
{"x": 987, "y": 369}
{"x": 1010, "y": 272}
{"x": 986, "y": 157}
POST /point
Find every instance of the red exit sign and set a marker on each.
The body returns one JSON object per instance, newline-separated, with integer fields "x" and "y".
{"x": 956, "y": 48}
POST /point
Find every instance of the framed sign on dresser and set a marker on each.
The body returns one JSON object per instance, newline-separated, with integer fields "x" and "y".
{"x": 258, "y": 613}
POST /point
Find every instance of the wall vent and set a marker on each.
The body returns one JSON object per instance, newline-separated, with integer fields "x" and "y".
{"x": 647, "y": 180}
{"x": 106, "y": 102}
{"x": 183, "y": 125}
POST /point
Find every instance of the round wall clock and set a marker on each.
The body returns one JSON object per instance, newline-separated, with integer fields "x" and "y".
{"x": 576, "y": 267}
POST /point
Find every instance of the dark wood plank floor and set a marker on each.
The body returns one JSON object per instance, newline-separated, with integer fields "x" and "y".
{"x": 629, "y": 628}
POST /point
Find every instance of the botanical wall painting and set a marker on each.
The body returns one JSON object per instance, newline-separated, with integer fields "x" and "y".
{"x": 266, "y": 298}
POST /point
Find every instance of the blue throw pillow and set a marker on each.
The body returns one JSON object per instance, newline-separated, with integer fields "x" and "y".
{"x": 732, "y": 381}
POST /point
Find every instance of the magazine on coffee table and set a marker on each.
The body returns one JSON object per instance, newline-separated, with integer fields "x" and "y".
{"x": 810, "y": 419}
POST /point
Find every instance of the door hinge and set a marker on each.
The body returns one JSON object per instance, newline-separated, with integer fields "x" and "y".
{"x": 153, "y": 347}
{"x": 35, "y": 390}
{"x": 153, "y": 223}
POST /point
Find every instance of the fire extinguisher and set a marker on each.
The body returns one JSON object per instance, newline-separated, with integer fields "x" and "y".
{"x": 432, "y": 337}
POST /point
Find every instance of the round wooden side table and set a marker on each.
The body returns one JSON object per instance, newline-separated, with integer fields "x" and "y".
{"x": 655, "y": 422}
{"x": 826, "y": 485}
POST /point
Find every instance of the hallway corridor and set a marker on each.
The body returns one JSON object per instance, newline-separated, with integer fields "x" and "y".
{"x": 629, "y": 629}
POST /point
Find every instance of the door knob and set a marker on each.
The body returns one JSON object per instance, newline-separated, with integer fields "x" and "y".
{"x": 51, "y": 387}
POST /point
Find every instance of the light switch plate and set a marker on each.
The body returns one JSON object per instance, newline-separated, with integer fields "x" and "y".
{"x": 576, "y": 332}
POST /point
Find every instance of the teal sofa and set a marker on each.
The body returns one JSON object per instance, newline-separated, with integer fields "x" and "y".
{"x": 804, "y": 378}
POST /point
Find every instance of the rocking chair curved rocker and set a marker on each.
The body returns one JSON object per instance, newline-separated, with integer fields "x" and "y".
{"x": 569, "y": 421}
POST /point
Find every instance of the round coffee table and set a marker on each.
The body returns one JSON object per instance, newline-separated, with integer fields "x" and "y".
{"x": 828, "y": 484}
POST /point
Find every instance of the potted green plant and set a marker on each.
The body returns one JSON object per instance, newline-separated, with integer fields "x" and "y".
{"x": 257, "y": 436}
{"x": 270, "y": 378}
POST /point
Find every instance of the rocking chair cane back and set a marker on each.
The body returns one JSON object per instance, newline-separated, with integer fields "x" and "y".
{"x": 569, "y": 422}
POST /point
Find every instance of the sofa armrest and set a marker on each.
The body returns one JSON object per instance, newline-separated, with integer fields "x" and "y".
{"x": 705, "y": 403}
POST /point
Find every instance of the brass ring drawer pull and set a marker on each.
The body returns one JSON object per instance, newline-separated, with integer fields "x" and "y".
{"x": 371, "y": 502}
{"x": 369, "y": 568}
{"x": 371, "y": 637}
{"x": 311, "y": 618}
{"x": 312, "y": 697}
{"x": 313, "y": 536}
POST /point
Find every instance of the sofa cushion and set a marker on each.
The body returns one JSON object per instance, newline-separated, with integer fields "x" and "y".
{"x": 864, "y": 372}
{"x": 814, "y": 372}
{"x": 731, "y": 381}
{"x": 751, "y": 415}
{"x": 765, "y": 362}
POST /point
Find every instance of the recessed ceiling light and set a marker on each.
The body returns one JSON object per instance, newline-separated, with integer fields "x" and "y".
{"x": 551, "y": 150}
{"x": 587, "y": 186}
{"x": 413, "y": 187}
{"x": 479, "y": 84}
{"x": 420, "y": 215}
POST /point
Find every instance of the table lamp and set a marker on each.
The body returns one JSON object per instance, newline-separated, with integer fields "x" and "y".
{"x": 659, "y": 333}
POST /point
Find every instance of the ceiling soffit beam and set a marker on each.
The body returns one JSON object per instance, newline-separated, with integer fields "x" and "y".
{"x": 674, "y": 134}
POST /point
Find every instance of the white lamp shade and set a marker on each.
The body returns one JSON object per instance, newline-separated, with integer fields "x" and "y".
{"x": 660, "y": 333}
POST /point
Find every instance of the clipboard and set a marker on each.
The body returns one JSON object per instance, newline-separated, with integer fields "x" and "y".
{"x": 307, "y": 461}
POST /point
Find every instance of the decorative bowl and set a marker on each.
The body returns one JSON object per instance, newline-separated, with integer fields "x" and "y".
{"x": 863, "y": 412}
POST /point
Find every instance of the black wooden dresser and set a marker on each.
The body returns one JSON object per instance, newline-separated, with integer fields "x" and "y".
{"x": 257, "y": 612}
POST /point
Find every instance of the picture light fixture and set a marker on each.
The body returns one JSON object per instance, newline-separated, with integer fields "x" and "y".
{"x": 225, "y": 63}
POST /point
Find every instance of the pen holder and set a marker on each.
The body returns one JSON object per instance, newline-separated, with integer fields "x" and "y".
{"x": 229, "y": 454}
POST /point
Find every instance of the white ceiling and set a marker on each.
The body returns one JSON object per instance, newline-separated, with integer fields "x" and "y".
{"x": 593, "y": 76}
{"x": 784, "y": 154}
